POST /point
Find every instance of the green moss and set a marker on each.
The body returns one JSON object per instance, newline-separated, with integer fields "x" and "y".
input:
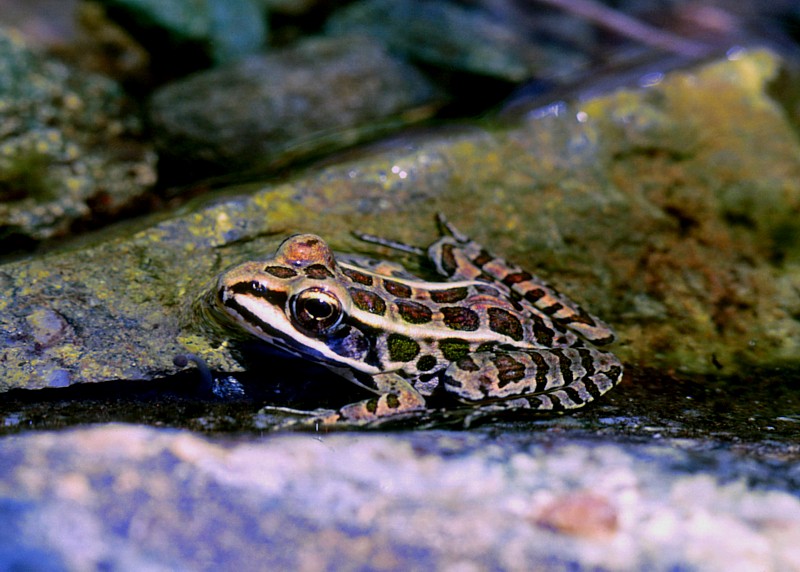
{"x": 25, "y": 175}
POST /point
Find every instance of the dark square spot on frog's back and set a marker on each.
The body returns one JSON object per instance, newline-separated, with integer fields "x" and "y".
{"x": 505, "y": 323}
{"x": 318, "y": 272}
{"x": 463, "y": 319}
{"x": 368, "y": 301}
{"x": 358, "y": 277}
{"x": 449, "y": 296}
{"x": 397, "y": 289}
{"x": 413, "y": 312}
{"x": 280, "y": 271}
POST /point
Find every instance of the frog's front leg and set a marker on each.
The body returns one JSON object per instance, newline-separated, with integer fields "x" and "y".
{"x": 396, "y": 395}
{"x": 543, "y": 379}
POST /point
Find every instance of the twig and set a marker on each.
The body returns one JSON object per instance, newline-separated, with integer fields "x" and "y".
{"x": 629, "y": 27}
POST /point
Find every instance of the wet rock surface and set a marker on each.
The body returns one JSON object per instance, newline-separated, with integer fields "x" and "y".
{"x": 662, "y": 473}
{"x": 222, "y": 29}
{"x": 706, "y": 414}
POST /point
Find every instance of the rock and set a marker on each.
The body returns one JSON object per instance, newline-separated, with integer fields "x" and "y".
{"x": 55, "y": 25}
{"x": 291, "y": 7}
{"x": 225, "y": 29}
{"x": 47, "y": 326}
{"x": 669, "y": 211}
{"x": 318, "y": 95}
{"x": 68, "y": 146}
{"x": 455, "y": 37}
{"x": 579, "y": 513}
{"x": 131, "y": 497}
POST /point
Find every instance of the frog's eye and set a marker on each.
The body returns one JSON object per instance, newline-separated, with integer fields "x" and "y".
{"x": 316, "y": 311}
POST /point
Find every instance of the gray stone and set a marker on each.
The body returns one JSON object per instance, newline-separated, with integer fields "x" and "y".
{"x": 318, "y": 95}
{"x": 456, "y": 37}
{"x": 228, "y": 29}
{"x": 292, "y": 7}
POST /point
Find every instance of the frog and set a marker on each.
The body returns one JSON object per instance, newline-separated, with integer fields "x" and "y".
{"x": 487, "y": 335}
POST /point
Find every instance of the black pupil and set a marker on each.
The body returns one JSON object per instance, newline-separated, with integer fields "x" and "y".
{"x": 317, "y": 308}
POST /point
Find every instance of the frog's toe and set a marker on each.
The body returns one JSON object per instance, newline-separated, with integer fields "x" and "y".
{"x": 278, "y": 418}
{"x": 382, "y": 406}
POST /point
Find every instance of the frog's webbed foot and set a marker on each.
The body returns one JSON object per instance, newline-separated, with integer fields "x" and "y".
{"x": 544, "y": 379}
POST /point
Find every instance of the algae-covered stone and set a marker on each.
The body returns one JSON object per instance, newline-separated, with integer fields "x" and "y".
{"x": 129, "y": 300}
{"x": 714, "y": 161}
{"x": 456, "y": 37}
{"x": 632, "y": 203}
{"x": 68, "y": 145}
{"x": 318, "y": 95}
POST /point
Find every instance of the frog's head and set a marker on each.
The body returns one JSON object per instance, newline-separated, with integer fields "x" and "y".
{"x": 295, "y": 296}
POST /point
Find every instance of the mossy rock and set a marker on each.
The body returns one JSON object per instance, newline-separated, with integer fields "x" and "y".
{"x": 670, "y": 211}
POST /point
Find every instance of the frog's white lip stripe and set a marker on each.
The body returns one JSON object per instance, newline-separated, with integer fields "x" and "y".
{"x": 271, "y": 323}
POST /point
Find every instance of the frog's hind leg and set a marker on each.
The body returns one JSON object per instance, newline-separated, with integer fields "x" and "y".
{"x": 543, "y": 379}
{"x": 458, "y": 257}
{"x": 446, "y": 228}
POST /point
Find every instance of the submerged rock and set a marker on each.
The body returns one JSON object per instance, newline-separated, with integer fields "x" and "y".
{"x": 456, "y": 37}
{"x": 69, "y": 147}
{"x": 321, "y": 94}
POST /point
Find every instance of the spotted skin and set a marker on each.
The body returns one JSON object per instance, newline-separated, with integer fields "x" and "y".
{"x": 491, "y": 336}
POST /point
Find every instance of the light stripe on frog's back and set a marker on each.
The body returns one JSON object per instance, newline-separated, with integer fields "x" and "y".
{"x": 442, "y": 310}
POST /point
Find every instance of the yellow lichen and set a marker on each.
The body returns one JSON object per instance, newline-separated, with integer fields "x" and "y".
{"x": 73, "y": 184}
{"x": 73, "y": 102}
